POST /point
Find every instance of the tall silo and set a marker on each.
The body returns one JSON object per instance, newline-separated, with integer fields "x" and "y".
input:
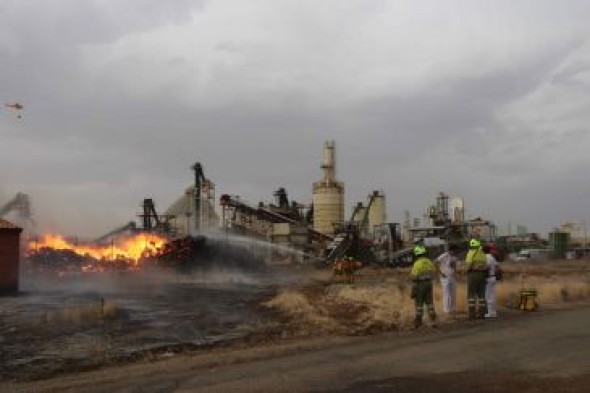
{"x": 457, "y": 208}
{"x": 558, "y": 244}
{"x": 328, "y": 194}
{"x": 378, "y": 210}
{"x": 359, "y": 213}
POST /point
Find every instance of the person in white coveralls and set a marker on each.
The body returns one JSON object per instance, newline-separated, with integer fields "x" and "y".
{"x": 446, "y": 264}
{"x": 491, "y": 283}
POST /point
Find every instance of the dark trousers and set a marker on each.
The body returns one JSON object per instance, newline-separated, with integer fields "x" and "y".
{"x": 476, "y": 293}
{"x": 423, "y": 299}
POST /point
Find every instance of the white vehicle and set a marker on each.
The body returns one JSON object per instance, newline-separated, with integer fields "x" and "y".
{"x": 532, "y": 254}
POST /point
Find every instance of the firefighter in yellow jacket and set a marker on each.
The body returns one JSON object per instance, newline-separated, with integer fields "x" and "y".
{"x": 422, "y": 275}
{"x": 477, "y": 274}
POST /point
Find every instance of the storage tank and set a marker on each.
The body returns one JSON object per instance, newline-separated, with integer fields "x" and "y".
{"x": 9, "y": 257}
{"x": 457, "y": 210}
{"x": 378, "y": 210}
{"x": 328, "y": 206}
{"x": 359, "y": 212}
{"x": 558, "y": 244}
{"x": 328, "y": 194}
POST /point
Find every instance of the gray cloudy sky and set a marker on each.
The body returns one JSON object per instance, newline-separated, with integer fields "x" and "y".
{"x": 488, "y": 100}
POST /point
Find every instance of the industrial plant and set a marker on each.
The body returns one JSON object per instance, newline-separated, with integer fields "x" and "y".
{"x": 319, "y": 230}
{"x": 210, "y": 269}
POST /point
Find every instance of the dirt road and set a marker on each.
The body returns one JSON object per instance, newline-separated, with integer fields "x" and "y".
{"x": 545, "y": 352}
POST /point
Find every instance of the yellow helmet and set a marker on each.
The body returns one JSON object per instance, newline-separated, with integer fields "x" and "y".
{"x": 474, "y": 243}
{"x": 420, "y": 250}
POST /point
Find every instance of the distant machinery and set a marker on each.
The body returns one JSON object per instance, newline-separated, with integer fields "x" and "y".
{"x": 281, "y": 198}
{"x": 281, "y": 223}
{"x": 450, "y": 228}
{"x": 439, "y": 214}
{"x": 515, "y": 243}
{"x": 481, "y": 228}
{"x": 128, "y": 229}
{"x": 367, "y": 236}
{"x": 406, "y": 234}
{"x": 282, "y": 206}
{"x": 328, "y": 194}
{"x": 194, "y": 211}
{"x": 151, "y": 222}
{"x": 243, "y": 219}
{"x": 200, "y": 181}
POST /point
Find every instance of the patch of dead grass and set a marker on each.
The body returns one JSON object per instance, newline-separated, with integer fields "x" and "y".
{"x": 383, "y": 302}
{"x": 81, "y": 314}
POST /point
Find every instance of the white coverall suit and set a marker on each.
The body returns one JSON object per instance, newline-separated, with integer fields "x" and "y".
{"x": 491, "y": 286}
{"x": 447, "y": 264}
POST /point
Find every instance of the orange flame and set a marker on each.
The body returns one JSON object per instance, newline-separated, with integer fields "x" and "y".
{"x": 132, "y": 248}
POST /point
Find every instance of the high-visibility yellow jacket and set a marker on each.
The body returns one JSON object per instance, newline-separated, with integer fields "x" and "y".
{"x": 422, "y": 269}
{"x": 476, "y": 259}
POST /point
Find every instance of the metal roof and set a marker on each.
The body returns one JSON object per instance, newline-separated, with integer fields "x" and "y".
{"x": 7, "y": 225}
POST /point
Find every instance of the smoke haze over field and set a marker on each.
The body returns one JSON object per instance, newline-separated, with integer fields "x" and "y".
{"x": 485, "y": 100}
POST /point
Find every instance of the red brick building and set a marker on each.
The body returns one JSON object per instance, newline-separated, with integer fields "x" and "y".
{"x": 9, "y": 257}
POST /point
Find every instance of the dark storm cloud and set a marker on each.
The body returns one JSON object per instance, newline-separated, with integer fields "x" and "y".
{"x": 41, "y": 39}
{"x": 123, "y": 97}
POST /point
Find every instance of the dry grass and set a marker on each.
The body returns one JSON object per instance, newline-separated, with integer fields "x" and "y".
{"x": 547, "y": 268}
{"x": 550, "y": 290}
{"x": 348, "y": 309}
{"x": 297, "y": 306}
{"x": 381, "y": 300}
{"x": 81, "y": 314}
{"x": 383, "y": 306}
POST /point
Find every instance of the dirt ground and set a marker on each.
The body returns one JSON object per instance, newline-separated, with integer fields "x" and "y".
{"x": 536, "y": 352}
{"x": 465, "y": 382}
{"x": 301, "y": 310}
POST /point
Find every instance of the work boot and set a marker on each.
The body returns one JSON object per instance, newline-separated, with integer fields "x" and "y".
{"x": 417, "y": 321}
{"x": 432, "y": 315}
{"x": 471, "y": 310}
{"x": 433, "y": 321}
{"x": 481, "y": 309}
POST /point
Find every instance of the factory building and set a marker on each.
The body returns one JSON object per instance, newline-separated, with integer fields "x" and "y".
{"x": 371, "y": 216}
{"x": 328, "y": 195}
{"x": 377, "y": 210}
{"x": 9, "y": 257}
{"x": 187, "y": 216}
{"x": 446, "y": 220}
{"x": 194, "y": 211}
{"x": 578, "y": 235}
{"x": 457, "y": 208}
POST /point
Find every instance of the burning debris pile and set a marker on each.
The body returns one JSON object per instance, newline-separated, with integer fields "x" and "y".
{"x": 54, "y": 254}
{"x": 202, "y": 253}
